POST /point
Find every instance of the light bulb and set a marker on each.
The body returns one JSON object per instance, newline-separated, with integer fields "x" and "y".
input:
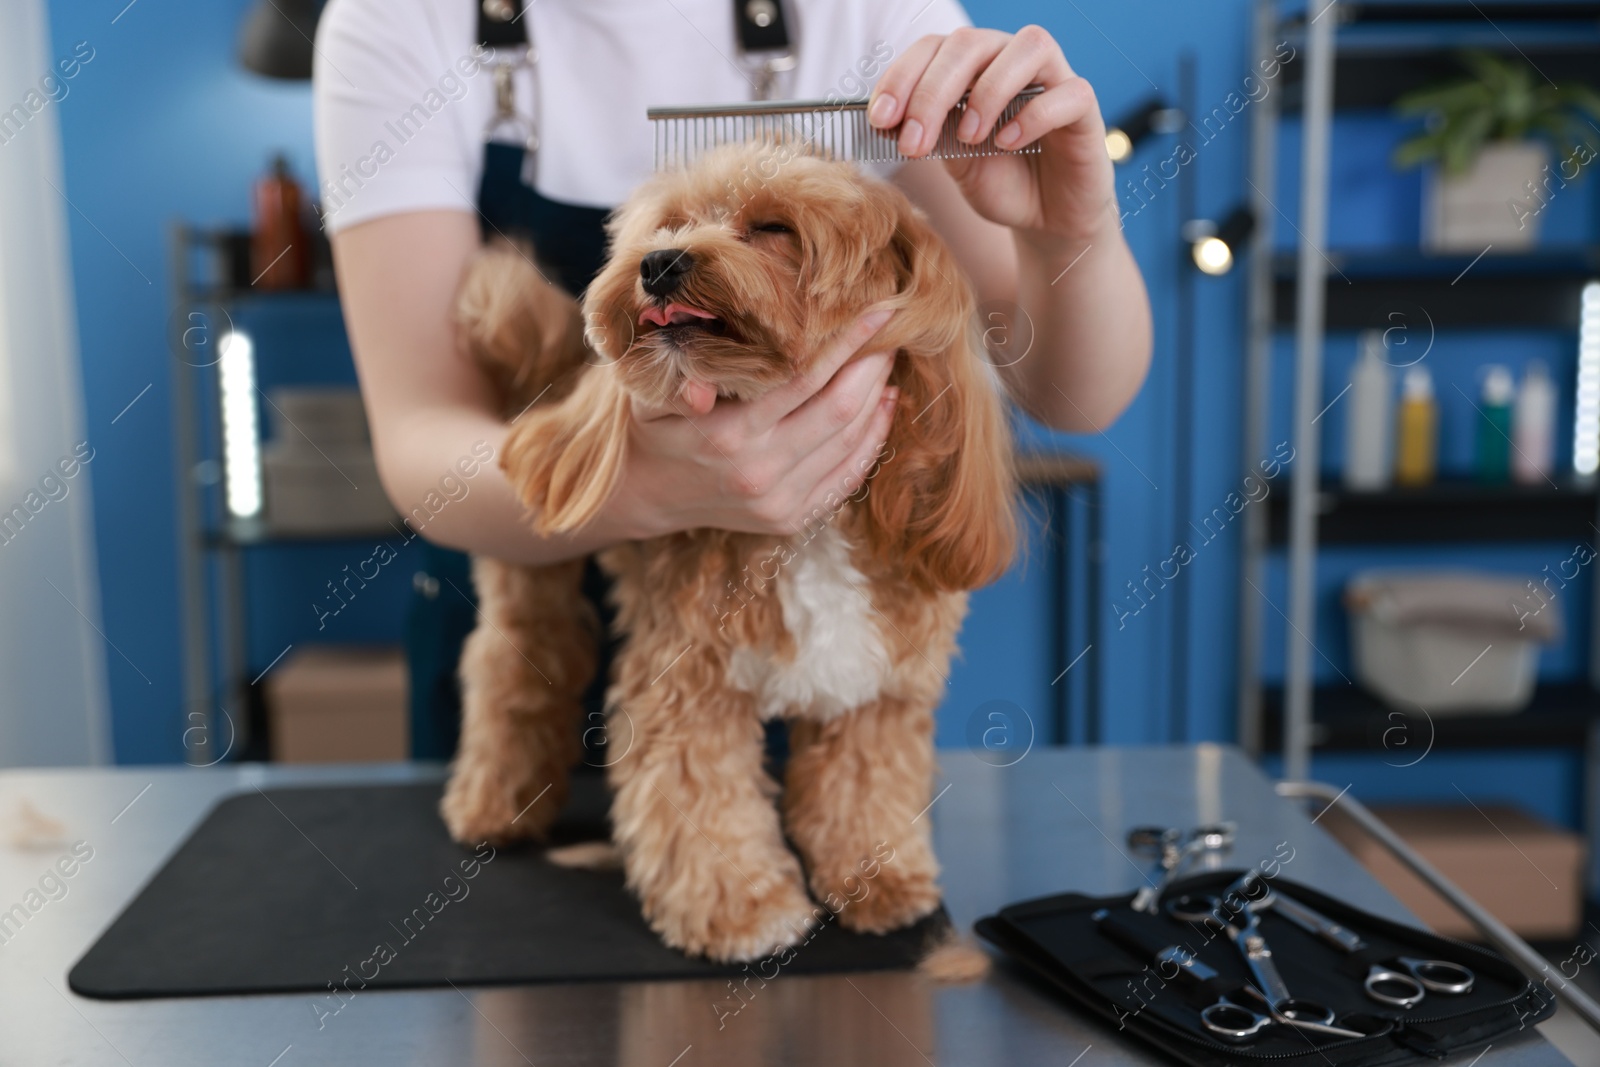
{"x": 1212, "y": 255}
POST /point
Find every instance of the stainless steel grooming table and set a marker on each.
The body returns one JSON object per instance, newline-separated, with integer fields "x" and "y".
{"x": 1053, "y": 821}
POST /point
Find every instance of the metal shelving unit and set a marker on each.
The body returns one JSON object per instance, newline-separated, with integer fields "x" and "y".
{"x": 1363, "y": 55}
{"x": 1451, "y": 511}
{"x": 1059, "y": 480}
{"x": 207, "y": 289}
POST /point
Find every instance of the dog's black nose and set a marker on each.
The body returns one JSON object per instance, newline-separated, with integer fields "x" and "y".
{"x": 662, "y": 271}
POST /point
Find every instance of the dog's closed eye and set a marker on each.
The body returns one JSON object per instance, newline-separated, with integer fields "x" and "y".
{"x": 769, "y": 227}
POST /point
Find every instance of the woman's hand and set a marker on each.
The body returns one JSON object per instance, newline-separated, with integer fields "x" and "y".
{"x": 760, "y": 466}
{"x": 1066, "y": 192}
{"x": 1060, "y": 259}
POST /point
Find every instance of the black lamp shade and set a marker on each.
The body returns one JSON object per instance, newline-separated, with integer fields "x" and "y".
{"x": 275, "y": 39}
{"x": 1237, "y": 228}
{"x": 1152, "y": 116}
{"x": 1214, "y": 246}
{"x": 1140, "y": 122}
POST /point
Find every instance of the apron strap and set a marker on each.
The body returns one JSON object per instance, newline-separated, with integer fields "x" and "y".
{"x": 760, "y": 25}
{"x": 764, "y": 42}
{"x": 500, "y": 24}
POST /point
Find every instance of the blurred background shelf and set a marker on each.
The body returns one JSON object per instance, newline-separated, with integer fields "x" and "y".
{"x": 1515, "y": 11}
{"x": 1452, "y": 511}
{"x": 1491, "y": 304}
{"x": 1367, "y": 289}
{"x": 1389, "y": 49}
{"x": 1347, "y": 718}
{"x": 247, "y": 297}
{"x": 252, "y": 532}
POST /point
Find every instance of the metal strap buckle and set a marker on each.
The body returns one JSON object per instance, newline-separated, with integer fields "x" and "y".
{"x": 506, "y": 116}
{"x": 766, "y": 73}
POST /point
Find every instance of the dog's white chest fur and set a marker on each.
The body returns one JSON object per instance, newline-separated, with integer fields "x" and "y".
{"x": 839, "y": 661}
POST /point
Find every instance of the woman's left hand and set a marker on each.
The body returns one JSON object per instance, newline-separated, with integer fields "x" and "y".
{"x": 1066, "y": 191}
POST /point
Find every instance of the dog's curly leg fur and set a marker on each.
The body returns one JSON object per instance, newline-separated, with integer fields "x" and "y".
{"x": 858, "y": 785}
{"x": 854, "y": 786}
{"x": 694, "y": 816}
{"x": 523, "y": 673}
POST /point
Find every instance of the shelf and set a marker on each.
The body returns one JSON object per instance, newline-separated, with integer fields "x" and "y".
{"x": 250, "y": 533}
{"x": 1374, "y": 79}
{"x": 1058, "y": 470}
{"x": 1346, "y": 718}
{"x": 1366, "y": 290}
{"x": 214, "y": 265}
{"x": 1388, "y": 49}
{"x": 242, "y": 296}
{"x": 1435, "y": 11}
{"x": 1451, "y": 511}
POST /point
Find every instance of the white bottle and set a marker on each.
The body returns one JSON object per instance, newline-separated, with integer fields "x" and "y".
{"x": 1533, "y": 427}
{"x": 1369, "y": 423}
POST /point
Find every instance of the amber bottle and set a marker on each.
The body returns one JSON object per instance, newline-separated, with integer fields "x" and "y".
{"x": 280, "y": 252}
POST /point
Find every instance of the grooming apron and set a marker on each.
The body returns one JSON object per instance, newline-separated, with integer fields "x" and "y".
{"x": 570, "y": 241}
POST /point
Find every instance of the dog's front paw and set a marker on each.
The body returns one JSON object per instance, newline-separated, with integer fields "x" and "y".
{"x": 894, "y": 896}
{"x": 732, "y": 923}
{"x": 479, "y": 805}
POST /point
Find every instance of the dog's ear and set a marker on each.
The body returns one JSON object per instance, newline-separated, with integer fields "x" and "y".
{"x": 564, "y": 461}
{"x": 942, "y": 499}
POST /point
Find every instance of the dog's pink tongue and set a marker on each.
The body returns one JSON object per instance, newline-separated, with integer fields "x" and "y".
{"x": 700, "y": 396}
{"x": 672, "y": 314}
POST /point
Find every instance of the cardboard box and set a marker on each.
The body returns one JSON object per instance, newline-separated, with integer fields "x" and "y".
{"x": 1525, "y": 872}
{"x": 339, "y": 705}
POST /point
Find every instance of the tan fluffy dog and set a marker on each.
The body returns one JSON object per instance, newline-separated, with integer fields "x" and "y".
{"x": 734, "y": 275}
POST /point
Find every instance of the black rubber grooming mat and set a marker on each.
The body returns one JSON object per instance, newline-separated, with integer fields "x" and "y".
{"x": 292, "y": 889}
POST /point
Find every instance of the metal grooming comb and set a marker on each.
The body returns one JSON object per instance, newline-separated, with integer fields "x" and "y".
{"x": 833, "y": 130}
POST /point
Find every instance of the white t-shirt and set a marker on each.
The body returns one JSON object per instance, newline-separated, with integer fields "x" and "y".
{"x": 404, "y": 99}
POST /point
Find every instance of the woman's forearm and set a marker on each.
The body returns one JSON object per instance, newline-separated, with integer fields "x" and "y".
{"x": 430, "y": 408}
{"x": 442, "y": 473}
{"x": 1091, "y": 329}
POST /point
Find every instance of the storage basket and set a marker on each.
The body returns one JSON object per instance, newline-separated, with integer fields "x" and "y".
{"x": 1449, "y": 642}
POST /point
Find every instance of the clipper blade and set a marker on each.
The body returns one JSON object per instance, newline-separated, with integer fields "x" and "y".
{"x": 835, "y": 130}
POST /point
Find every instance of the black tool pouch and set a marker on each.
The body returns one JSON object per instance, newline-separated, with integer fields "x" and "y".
{"x": 1059, "y": 939}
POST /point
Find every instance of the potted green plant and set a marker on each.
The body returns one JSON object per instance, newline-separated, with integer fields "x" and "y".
{"x": 1488, "y": 136}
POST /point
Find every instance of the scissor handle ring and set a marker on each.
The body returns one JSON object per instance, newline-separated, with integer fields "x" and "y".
{"x": 1440, "y": 976}
{"x": 1197, "y": 908}
{"x": 1305, "y": 1011}
{"x": 1380, "y": 976}
{"x": 1232, "y": 1022}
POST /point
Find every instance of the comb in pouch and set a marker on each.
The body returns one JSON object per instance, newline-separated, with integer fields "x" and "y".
{"x": 835, "y": 130}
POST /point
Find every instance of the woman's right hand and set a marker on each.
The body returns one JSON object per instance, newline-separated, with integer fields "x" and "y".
{"x": 759, "y": 466}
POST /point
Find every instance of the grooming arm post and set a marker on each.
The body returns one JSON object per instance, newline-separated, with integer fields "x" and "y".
{"x": 1498, "y": 934}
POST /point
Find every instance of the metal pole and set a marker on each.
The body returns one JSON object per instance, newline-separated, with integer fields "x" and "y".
{"x": 233, "y": 653}
{"x": 1594, "y": 620}
{"x": 1258, "y": 352}
{"x": 1095, "y": 554}
{"x": 1497, "y": 933}
{"x": 1182, "y": 434}
{"x": 197, "y": 728}
{"x": 1311, "y": 281}
{"x": 1058, "y": 512}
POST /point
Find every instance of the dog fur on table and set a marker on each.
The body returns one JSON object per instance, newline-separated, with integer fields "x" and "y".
{"x": 845, "y": 629}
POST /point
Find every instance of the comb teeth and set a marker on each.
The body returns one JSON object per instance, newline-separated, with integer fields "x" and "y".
{"x": 831, "y": 130}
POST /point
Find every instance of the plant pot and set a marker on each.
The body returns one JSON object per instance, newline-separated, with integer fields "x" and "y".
{"x": 1488, "y": 205}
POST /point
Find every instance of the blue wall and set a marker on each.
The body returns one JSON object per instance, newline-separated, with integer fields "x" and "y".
{"x": 162, "y": 125}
